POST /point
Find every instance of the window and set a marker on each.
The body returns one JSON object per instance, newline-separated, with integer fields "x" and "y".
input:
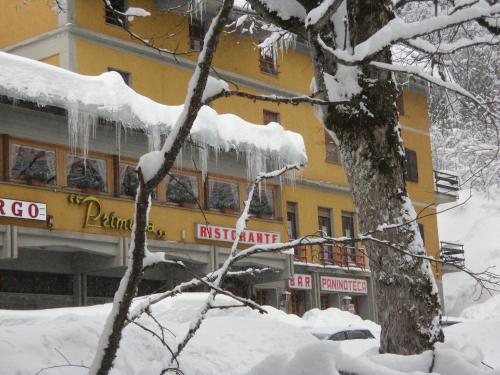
{"x": 411, "y": 165}
{"x": 325, "y": 227}
{"x": 125, "y": 75}
{"x": 113, "y": 18}
{"x": 129, "y": 182}
{"x": 33, "y": 165}
{"x": 223, "y": 196}
{"x": 270, "y": 116}
{"x": 348, "y": 231}
{"x": 182, "y": 189}
{"x": 324, "y": 300}
{"x": 87, "y": 174}
{"x": 261, "y": 296}
{"x": 196, "y": 35}
{"x": 297, "y": 302}
{"x": 292, "y": 220}
{"x": 400, "y": 103}
{"x": 36, "y": 282}
{"x": 262, "y": 204}
{"x": 332, "y": 152}
{"x": 267, "y": 61}
{"x": 421, "y": 230}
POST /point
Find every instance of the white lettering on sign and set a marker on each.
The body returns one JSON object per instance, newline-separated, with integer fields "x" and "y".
{"x": 23, "y": 209}
{"x": 300, "y": 281}
{"x": 338, "y": 284}
{"x": 252, "y": 237}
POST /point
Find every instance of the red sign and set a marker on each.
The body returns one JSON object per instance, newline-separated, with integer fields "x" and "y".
{"x": 300, "y": 281}
{"x": 252, "y": 237}
{"x": 22, "y": 209}
{"x": 338, "y": 284}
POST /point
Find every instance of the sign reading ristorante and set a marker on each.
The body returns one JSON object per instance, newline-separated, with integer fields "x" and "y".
{"x": 224, "y": 234}
{"x": 95, "y": 217}
{"x": 22, "y": 209}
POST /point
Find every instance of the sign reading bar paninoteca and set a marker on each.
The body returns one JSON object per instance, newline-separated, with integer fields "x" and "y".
{"x": 22, "y": 209}
{"x": 300, "y": 281}
{"x": 251, "y": 237}
{"x": 95, "y": 217}
{"x": 340, "y": 284}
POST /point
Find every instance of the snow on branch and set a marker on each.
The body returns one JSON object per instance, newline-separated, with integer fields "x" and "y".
{"x": 397, "y": 30}
{"x": 447, "y": 48}
{"x": 416, "y": 71}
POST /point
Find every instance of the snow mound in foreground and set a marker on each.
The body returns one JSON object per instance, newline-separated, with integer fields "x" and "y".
{"x": 475, "y": 224}
{"x": 233, "y": 341}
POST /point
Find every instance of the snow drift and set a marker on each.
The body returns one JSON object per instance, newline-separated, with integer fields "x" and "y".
{"x": 235, "y": 341}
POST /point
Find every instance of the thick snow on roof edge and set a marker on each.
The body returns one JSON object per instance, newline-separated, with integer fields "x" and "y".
{"x": 87, "y": 98}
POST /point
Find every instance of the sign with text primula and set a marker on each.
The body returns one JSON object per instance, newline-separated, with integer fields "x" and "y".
{"x": 300, "y": 281}
{"x": 223, "y": 234}
{"x": 343, "y": 285}
{"x": 22, "y": 209}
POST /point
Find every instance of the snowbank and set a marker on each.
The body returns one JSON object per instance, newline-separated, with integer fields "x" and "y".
{"x": 87, "y": 98}
{"x": 474, "y": 224}
{"x": 234, "y": 341}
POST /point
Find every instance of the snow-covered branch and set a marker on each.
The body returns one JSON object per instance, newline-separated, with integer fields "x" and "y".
{"x": 293, "y": 100}
{"x": 397, "y": 30}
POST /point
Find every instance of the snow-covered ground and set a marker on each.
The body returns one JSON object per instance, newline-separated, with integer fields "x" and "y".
{"x": 231, "y": 341}
{"x": 476, "y": 224}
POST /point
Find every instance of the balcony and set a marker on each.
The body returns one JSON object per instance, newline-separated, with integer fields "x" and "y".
{"x": 332, "y": 255}
{"x": 452, "y": 254}
{"x": 446, "y": 186}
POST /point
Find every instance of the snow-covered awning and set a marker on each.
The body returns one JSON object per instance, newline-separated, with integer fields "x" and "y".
{"x": 88, "y": 98}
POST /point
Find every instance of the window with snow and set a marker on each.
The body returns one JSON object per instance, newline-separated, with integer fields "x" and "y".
{"x": 411, "y": 165}
{"x": 292, "y": 220}
{"x": 331, "y": 149}
{"x": 87, "y": 174}
{"x": 196, "y": 34}
{"x": 129, "y": 182}
{"x": 125, "y": 75}
{"x": 182, "y": 189}
{"x": 327, "y": 254}
{"x": 33, "y": 165}
{"x": 348, "y": 231}
{"x": 262, "y": 203}
{"x": 113, "y": 16}
{"x": 223, "y": 196}
{"x": 267, "y": 61}
{"x": 270, "y": 116}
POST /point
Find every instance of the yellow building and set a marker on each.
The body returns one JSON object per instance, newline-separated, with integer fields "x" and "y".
{"x": 82, "y": 257}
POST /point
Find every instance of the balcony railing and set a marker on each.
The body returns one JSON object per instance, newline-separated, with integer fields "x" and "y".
{"x": 452, "y": 254}
{"x": 334, "y": 255}
{"x": 446, "y": 183}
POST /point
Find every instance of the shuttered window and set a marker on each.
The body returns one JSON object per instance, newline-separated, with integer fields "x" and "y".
{"x": 411, "y": 165}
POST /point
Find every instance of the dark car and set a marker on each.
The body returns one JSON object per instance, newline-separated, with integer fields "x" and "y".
{"x": 346, "y": 334}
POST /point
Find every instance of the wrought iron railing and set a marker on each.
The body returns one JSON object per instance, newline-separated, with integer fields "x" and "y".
{"x": 452, "y": 253}
{"x": 336, "y": 255}
{"x": 446, "y": 183}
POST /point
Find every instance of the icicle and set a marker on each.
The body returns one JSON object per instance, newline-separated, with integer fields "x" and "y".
{"x": 203, "y": 159}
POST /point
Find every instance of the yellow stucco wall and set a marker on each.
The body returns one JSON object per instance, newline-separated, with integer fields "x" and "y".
{"x": 20, "y": 20}
{"x": 167, "y": 83}
{"x": 52, "y": 60}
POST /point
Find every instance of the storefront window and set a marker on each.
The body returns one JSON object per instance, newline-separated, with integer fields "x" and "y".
{"x": 223, "y": 196}
{"x": 262, "y": 204}
{"x": 297, "y": 303}
{"x": 88, "y": 174}
{"x": 33, "y": 165}
{"x": 129, "y": 182}
{"x": 182, "y": 189}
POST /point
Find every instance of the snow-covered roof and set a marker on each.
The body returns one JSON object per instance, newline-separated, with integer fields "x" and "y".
{"x": 88, "y": 98}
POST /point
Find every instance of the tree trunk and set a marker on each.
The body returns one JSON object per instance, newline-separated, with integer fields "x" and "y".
{"x": 373, "y": 156}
